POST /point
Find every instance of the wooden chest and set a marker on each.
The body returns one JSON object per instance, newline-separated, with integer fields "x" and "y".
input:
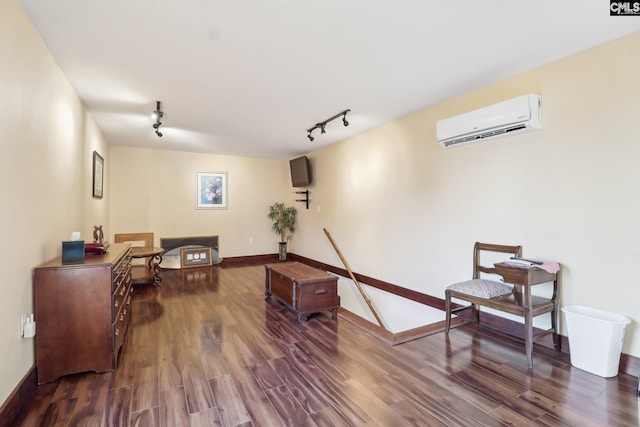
{"x": 302, "y": 289}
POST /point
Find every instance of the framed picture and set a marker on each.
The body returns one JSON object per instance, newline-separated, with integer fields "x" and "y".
{"x": 211, "y": 190}
{"x": 195, "y": 257}
{"x": 98, "y": 175}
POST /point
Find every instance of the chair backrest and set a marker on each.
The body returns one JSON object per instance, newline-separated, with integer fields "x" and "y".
{"x": 144, "y": 240}
{"x": 136, "y": 239}
{"x": 478, "y": 248}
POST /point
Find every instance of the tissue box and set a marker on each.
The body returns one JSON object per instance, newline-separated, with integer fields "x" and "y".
{"x": 73, "y": 251}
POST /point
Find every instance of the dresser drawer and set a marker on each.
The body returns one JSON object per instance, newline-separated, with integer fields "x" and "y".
{"x": 122, "y": 271}
{"x": 119, "y": 333}
{"x": 119, "y": 297}
{"x": 120, "y": 325}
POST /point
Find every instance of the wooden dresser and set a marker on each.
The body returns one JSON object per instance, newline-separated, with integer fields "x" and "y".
{"x": 82, "y": 310}
{"x": 302, "y": 288}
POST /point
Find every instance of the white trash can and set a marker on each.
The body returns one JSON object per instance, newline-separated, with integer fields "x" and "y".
{"x": 595, "y": 339}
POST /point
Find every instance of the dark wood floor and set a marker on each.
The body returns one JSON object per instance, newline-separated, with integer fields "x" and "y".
{"x": 206, "y": 349}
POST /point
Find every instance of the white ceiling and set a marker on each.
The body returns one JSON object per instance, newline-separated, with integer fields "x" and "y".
{"x": 249, "y": 77}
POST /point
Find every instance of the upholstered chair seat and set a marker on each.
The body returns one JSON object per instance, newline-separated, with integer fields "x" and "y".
{"x": 481, "y": 288}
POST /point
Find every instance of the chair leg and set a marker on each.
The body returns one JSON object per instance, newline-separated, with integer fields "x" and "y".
{"x": 476, "y": 313}
{"x": 557, "y": 342}
{"x": 447, "y": 309}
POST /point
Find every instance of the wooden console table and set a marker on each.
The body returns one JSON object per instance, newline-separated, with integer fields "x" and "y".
{"x": 303, "y": 289}
{"x": 522, "y": 303}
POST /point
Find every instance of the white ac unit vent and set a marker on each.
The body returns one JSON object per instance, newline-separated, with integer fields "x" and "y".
{"x": 516, "y": 115}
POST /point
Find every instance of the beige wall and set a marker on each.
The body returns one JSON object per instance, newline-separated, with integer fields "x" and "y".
{"x": 155, "y": 190}
{"x": 46, "y": 145}
{"x": 407, "y": 211}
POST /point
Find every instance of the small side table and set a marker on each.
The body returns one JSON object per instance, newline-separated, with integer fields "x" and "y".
{"x": 152, "y": 273}
{"x": 522, "y": 303}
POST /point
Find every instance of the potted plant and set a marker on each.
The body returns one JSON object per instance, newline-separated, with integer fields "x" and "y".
{"x": 284, "y": 221}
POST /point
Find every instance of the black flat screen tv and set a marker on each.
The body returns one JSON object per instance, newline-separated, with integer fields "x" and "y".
{"x": 300, "y": 171}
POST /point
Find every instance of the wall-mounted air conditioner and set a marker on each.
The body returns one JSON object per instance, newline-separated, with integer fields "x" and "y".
{"x": 520, "y": 114}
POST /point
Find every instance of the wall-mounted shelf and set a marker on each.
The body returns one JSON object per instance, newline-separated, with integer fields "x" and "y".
{"x": 306, "y": 199}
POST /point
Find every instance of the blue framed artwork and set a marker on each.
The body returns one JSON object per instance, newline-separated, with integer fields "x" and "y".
{"x": 211, "y": 190}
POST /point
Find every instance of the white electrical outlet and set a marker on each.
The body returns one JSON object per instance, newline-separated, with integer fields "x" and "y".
{"x": 23, "y": 321}
{"x": 27, "y": 326}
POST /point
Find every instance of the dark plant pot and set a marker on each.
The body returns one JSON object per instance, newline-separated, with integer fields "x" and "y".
{"x": 282, "y": 251}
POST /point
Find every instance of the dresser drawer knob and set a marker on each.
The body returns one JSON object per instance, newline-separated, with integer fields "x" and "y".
{"x": 319, "y": 291}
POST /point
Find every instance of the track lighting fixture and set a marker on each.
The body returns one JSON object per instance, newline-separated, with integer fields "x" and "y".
{"x": 323, "y": 124}
{"x": 158, "y": 115}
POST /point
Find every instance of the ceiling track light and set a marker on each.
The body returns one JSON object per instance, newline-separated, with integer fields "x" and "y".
{"x": 322, "y": 125}
{"x": 158, "y": 115}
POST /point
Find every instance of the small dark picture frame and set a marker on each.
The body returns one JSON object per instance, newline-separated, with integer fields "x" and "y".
{"x": 98, "y": 175}
{"x": 195, "y": 257}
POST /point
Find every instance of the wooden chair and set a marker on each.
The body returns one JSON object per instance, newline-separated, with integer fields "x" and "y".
{"x": 513, "y": 299}
{"x": 137, "y": 240}
{"x": 479, "y": 291}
